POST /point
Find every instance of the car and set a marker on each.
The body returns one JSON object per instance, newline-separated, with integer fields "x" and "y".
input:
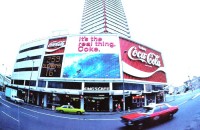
{"x": 16, "y": 100}
{"x": 69, "y": 109}
{"x": 150, "y": 114}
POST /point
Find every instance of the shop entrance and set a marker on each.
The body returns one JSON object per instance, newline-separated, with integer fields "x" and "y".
{"x": 96, "y": 102}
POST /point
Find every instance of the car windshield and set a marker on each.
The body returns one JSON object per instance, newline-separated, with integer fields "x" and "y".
{"x": 146, "y": 110}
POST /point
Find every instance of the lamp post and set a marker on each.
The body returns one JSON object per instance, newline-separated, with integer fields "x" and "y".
{"x": 4, "y": 76}
{"x": 30, "y": 80}
{"x": 124, "y": 102}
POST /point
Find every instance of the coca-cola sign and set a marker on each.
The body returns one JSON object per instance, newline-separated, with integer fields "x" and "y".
{"x": 140, "y": 53}
{"x": 140, "y": 62}
{"x": 56, "y": 45}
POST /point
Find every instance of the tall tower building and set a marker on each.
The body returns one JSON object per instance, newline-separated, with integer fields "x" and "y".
{"x": 104, "y": 16}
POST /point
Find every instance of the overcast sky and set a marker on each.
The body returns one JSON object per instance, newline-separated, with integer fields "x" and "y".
{"x": 169, "y": 26}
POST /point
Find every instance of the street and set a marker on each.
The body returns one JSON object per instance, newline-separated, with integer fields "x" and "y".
{"x": 26, "y": 117}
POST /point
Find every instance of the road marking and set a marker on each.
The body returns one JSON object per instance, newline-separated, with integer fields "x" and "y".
{"x": 94, "y": 119}
{"x": 6, "y": 105}
{"x": 29, "y": 115}
{"x": 196, "y": 96}
{"x": 182, "y": 103}
{"x": 10, "y": 116}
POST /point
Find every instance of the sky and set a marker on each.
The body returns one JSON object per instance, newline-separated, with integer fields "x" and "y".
{"x": 171, "y": 27}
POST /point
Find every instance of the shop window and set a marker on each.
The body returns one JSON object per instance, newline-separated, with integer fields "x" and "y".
{"x": 19, "y": 82}
{"x": 41, "y": 83}
{"x": 127, "y": 86}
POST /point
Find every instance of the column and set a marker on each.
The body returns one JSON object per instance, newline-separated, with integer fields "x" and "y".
{"x": 38, "y": 99}
{"x": 82, "y": 96}
{"x": 110, "y": 103}
{"x": 82, "y": 102}
{"x": 145, "y": 99}
{"x": 45, "y": 100}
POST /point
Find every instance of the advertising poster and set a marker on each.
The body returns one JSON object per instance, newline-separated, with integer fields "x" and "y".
{"x": 52, "y": 62}
{"x": 92, "y": 56}
{"x": 141, "y": 62}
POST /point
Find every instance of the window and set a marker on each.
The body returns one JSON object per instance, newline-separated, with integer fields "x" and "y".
{"x": 41, "y": 83}
{"x": 164, "y": 107}
{"x": 31, "y": 48}
{"x": 127, "y": 86}
{"x": 157, "y": 109}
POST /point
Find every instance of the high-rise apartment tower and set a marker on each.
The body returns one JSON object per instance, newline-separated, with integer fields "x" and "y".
{"x": 104, "y": 16}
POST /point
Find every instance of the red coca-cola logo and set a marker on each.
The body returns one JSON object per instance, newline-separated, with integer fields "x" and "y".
{"x": 140, "y": 53}
{"x": 56, "y": 45}
{"x": 141, "y": 62}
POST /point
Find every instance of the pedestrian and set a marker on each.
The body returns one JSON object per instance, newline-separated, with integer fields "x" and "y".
{"x": 42, "y": 104}
{"x": 119, "y": 108}
{"x": 116, "y": 107}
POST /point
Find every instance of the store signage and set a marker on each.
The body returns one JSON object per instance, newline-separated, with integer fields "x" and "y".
{"x": 96, "y": 88}
{"x": 51, "y": 66}
{"x": 56, "y": 45}
{"x": 139, "y": 53}
{"x": 141, "y": 62}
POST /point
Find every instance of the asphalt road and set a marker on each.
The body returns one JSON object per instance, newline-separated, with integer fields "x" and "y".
{"x": 26, "y": 117}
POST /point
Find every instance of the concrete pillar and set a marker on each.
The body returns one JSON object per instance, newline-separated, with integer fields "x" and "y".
{"x": 38, "y": 99}
{"x": 110, "y": 103}
{"x": 82, "y": 96}
{"x": 145, "y": 99}
{"x": 82, "y": 102}
{"x": 45, "y": 100}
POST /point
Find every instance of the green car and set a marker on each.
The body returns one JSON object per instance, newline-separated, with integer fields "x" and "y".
{"x": 69, "y": 109}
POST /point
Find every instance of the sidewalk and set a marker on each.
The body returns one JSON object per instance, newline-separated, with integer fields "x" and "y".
{"x": 112, "y": 113}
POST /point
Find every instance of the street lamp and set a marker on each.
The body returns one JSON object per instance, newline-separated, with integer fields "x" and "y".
{"x": 4, "y": 76}
{"x": 124, "y": 102}
{"x": 30, "y": 79}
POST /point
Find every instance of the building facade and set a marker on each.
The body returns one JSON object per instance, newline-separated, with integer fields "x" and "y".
{"x": 104, "y": 16}
{"x": 90, "y": 71}
{"x": 96, "y": 70}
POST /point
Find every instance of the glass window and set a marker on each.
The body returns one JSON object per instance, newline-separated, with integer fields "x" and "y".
{"x": 164, "y": 107}
{"x": 127, "y": 86}
{"x": 41, "y": 83}
{"x": 157, "y": 109}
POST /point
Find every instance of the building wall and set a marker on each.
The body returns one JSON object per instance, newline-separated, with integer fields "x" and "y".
{"x": 67, "y": 67}
{"x": 105, "y": 16}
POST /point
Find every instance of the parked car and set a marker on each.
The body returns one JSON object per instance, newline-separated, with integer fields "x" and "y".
{"x": 16, "y": 100}
{"x": 69, "y": 109}
{"x": 151, "y": 114}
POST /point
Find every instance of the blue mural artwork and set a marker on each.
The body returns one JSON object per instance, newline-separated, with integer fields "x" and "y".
{"x": 86, "y": 65}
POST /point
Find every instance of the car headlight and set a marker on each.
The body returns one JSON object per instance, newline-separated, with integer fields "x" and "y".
{"x": 130, "y": 123}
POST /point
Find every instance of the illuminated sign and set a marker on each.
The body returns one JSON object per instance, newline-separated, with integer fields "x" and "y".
{"x": 141, "y": 62}
{"x": 96, "y": 88}
{"x": 51, "y": 66}
{"x": 139, "y": 53}
{"x": 56, "y": 46}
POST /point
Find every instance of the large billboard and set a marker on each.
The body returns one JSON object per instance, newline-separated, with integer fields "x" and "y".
{"x": 52, "y": 61}
{"x": 141, "y": 62}
{"x": 83, "y": 57}
{"x": 92, "y": 56}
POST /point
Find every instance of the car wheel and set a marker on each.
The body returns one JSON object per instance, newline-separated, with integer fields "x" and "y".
{"x": 140, "y": 126}
{"x": 78, "y": 112}
{"x": 171, "y": 116}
